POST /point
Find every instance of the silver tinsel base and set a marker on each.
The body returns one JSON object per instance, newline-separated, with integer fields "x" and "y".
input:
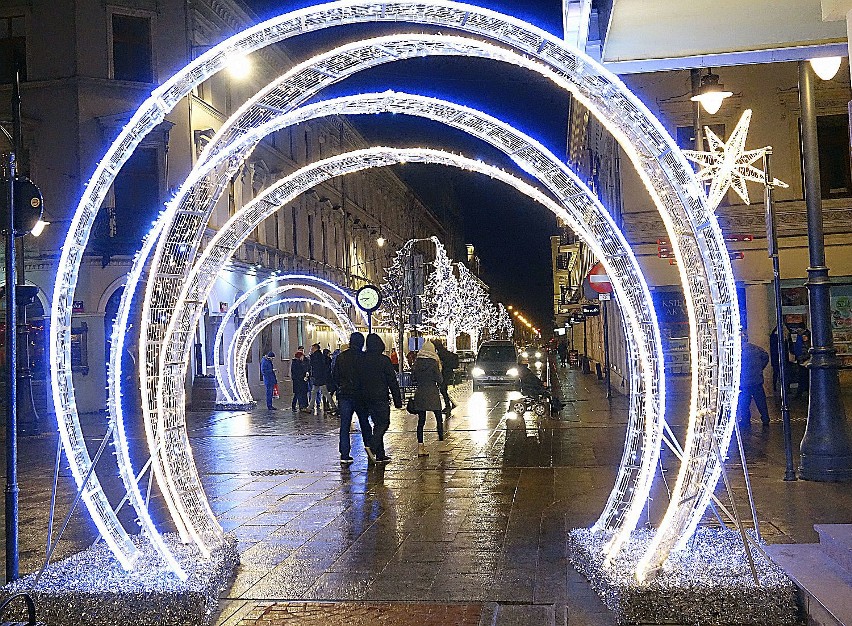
{"x": 710, "y": 582}
{"x": 91, "y": 587}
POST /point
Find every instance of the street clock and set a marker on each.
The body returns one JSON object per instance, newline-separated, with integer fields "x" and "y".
{"x": 369, "y": 298}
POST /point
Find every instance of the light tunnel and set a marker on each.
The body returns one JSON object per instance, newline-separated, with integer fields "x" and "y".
{"x": 243, "y": 338}
{"x": 699, "y": 248}
{"x": 585, "y": 214}
{"x": 263, "y": 322}
{"x": 224, "y": 379}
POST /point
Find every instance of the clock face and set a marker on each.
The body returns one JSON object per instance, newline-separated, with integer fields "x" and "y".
{"x": 368, "y": 298}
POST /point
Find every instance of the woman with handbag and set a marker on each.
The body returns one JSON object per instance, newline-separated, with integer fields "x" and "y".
{"x": 427, "y": 373}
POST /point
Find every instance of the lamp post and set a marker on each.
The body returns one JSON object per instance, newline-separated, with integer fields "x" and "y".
{"x": 772, "y": 237}
{"x": 826, "y": 449}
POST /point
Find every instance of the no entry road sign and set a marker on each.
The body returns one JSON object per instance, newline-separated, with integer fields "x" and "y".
{"x": 598, "y": 279}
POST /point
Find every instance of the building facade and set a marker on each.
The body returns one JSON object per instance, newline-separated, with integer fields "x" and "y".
{"x": 771, "y": 92}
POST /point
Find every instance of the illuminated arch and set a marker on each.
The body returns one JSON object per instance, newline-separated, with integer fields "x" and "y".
{"x": 266, "y": 321}
{"x": 694, "y": 232}
{"x": 238, "y": 350}
{"x": 249, "y": 334}
{"x": 225, "y": 384}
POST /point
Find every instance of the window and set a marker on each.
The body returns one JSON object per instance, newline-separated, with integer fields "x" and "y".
{"x": 13, "y": 48}
{"x": 833, "y": 139}
{"x": 131, "y": 49}
{"x": 137, "y": 197}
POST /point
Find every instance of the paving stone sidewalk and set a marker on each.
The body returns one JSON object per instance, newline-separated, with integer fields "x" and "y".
{"x": 476, "y": 531}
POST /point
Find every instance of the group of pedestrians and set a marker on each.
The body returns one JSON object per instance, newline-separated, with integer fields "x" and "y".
{"x": 364, "y": 380}
{"x": 309, "y": 375}
{"x": 754, "y": 361}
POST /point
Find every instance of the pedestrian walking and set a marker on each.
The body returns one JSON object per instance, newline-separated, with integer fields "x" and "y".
{"x": 346, "y": 383}
{"x": 449, "y": 363}
{"x": 267, "y": 371}
{"x": 299, "y": 373}
{"x": 320, "y": 364}
{"x": 377, "y": 381}
{"x": 754, "y": 361}
{"x": 427, "y": 397}
{"x": 562, "y": 351}
{"x": 394, "y": 357}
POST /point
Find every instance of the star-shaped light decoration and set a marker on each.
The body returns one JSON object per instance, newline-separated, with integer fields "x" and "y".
{"x": 729, "y": 165}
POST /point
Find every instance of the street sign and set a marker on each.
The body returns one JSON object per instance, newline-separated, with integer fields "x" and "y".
{"x": 598, "y": 279}
{"x": 591, "y": 310}
{"x": 605, "y": 297}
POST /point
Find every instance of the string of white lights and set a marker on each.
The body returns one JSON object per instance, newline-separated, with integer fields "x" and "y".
{"x": 226, "y": 386}
{"x": 695, "y": 235}
{"x": 114, "y": 408}
{"x": 238, "y": 350}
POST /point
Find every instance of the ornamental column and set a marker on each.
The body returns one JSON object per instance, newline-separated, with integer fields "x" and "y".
{"x": 826, "y": 448}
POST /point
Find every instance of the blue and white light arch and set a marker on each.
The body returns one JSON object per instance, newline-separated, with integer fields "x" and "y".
{"x": 224, "y": 380}
{"x": 697, "y": 241}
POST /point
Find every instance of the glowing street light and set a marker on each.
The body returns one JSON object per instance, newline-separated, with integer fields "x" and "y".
{"x": 826, "y": 67}
{"x": 239, "y": 67}
{"x": 711, "y": 93}
{"x": 39, "y": 228}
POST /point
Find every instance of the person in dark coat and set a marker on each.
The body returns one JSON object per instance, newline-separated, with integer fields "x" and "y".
{"x": 350, "y": 399}
{"x": 449, "y": 362}
{"x": 267, "y": 371}
{"x": 378, "y": 380}
{"x": 562, "y": 351}
{"x": 427, "y": 373}
{"x": 754, "y": 361}
{"x": 320, "y": 365}
{"x": 299, "y": 374}
{"x": 531, "y": 384}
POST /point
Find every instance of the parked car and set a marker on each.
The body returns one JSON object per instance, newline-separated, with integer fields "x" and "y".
{"x": 496, "y": 364}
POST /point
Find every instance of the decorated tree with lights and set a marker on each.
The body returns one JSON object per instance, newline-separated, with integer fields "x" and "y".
{"x": 397, "y": 290}
{"x": 499, "y": 322}
{"x": 474, "y": 304}
{"x": 441, "y": 297}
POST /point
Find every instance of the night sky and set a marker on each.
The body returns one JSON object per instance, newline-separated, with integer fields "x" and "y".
{"x": 510, "y": 232}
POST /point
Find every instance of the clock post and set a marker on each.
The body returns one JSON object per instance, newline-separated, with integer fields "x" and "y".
{"x": 369, "y": 298}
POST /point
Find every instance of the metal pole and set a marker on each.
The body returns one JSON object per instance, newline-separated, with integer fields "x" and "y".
{"x": 826, "y": 451}
{"x": 772, "y": 238}
{"x": 28, "y": 417}
{"x": 695, "y": 77}
{"x": 11, "y": 383}
{"x": 606, "y": 349}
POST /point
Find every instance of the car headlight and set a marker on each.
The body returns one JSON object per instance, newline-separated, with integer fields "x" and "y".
{"x": 525, "y": 354}
{"x": 478, "y": 371}
{"x": 538, "y": 355}
{"x": 512, "y": 371}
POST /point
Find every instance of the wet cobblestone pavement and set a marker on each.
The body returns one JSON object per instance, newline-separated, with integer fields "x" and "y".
{"x": 474, "y": 533}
